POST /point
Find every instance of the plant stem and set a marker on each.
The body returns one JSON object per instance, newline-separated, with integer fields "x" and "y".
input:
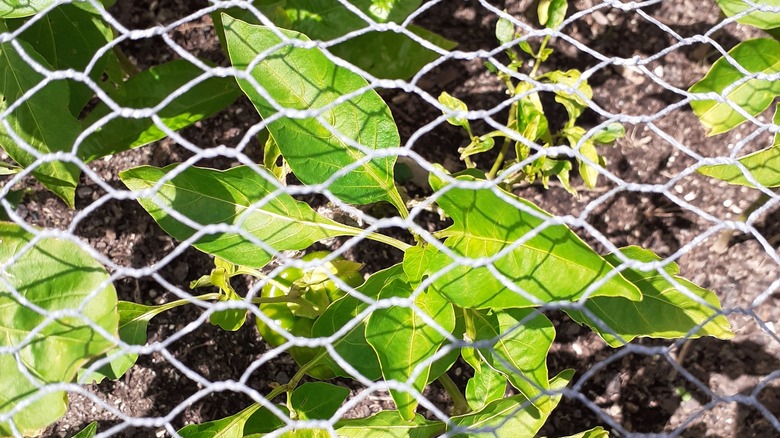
{"x": 460, "y": 405}
{"x": 127, "y": 66}
{"x": 539, "y": 56}
{"x": 512, "y": 121}
{"x": 173, "y": 304}
{"x": 395, "y": 243}
{"x": 293, "y": 383}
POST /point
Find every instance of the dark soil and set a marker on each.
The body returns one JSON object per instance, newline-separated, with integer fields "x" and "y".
{"x": 731, "y": 387}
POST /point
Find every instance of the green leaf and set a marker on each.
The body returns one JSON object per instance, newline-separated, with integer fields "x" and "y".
{"x": 511, "y": 417}
{"x": 147, "y": 90}
{"x": 505, "y": 30}
{"x": 352, "y": 346}
{"x": 559, "y": 168}
{"x": 761, "y": 55}
{"x": 133, "y": 322}
{"x": 665, "y": 312}
{"x": 388, "y": 424}
{"x": 416, "y": 261}
{"x": 610, "y": 133}
{"x": 531, "y": 121}
{"x": 86, "y": 34}
{"x": 388, "y": 10}
{"x": 22, "y": 8}
{"x": 54, "y": 275}
{"x": 478, "y": 145}
{"x": 596, "y": 432}
{"x": 317, "y": 400}
{"x": 454, "y": 104}
{"x": 552, "y": 12}
{"x": 444, "y": 363}
{"x": 305, "y": 79}
{"x": 241, "y": 197}
{"x": 88, "y": 432}
{"x": 759, "y": 19}
{"x": 228, "y": 319}
{"x": 403, "y": 341}
{"x": 390, "y": 55}
{"x": 554, "y": 265}
{"x": 25, "y": 8}
{"x": 485, "y": 387}
{"x": 41, "y": 121}
{"x": 763, "y": 165}
{"x": 522, "y": 338}
{"x": 384, "y": 54}
{"x": 253, "y": 419}
{"x": 575, "y": 103}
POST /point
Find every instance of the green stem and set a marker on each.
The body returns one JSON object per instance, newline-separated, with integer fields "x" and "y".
{"x": 293, "y": 383}
{"x": 507, "y": 142}
{"x": 538, "y": 57}
{"x": 398, "y": 202}
{"x": 127, "y": 66}
{"x": 395, "y": 243}
{"x": 460, "y": 405}
{"x": 173, "y": 304}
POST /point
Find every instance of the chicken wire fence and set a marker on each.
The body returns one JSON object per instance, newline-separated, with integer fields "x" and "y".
{"x": 74, "y": 102}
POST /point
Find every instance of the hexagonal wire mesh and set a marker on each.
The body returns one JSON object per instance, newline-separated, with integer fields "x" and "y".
{"x": 474, "y": 295}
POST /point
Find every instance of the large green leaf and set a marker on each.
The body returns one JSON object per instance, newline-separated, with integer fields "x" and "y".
{"x": 388, "y": 424}
{"x": 25, "y": 8}
{"x": 387, "y": 55}
{"x": 88, "y": 432}
{"x": 208, "y": 196}
{"x": 521, "y": 339}
{"x": 352, "y": 346}
{"x": 487, "y": 386}
{"x": 665, "y": 312}
{"x": 54, "y": 275}
{"x": 512, "y": 417}
{"x": 596, "y": 432}
{"x": 416, "y": 261}
{"x": 133, "y": 322}
{"x": 22, "y": 8}
{"x": 147, "y": 90}
{"x": 86, "y": 34}
{"x": 251, "y": 420}
{"x": 763, "y": 165}
{"x": 554, "y": 265}
{"x": 760, "y": 19}
{"x": 761, "y": 55}
{"x": 403, "y": 341}
{"x": 305, "y": 79}
{"x": 42, "y": 120}
{"x": 317, "y": 400}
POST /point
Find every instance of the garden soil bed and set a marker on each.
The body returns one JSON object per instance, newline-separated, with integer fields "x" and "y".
{"x": 692, "y": 392}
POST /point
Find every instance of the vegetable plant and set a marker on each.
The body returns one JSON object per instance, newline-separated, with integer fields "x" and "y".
{"x": 744, "y": 82}
{"x": 528, "y": 133}
{"x": 477, "y": 291}
{"x": 744, "y": 85}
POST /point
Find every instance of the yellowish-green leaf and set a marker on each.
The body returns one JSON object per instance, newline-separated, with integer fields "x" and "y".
{"x": 665, "y": 312}
{"x": 305, "y": 79}
{"x": 403, "y": 341}
{"x": 554, "y": 265}
{"x": 757, "y": 18}
{"x": 241, "y": 197}
{"x": 388, "y": 424}
{"x": 761, "y": 55}
{"x": 54, "y": 275}
{"x": 521, "y": 339}
{"x": 511, "y": 417}
{"x": 763, "y": 165}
